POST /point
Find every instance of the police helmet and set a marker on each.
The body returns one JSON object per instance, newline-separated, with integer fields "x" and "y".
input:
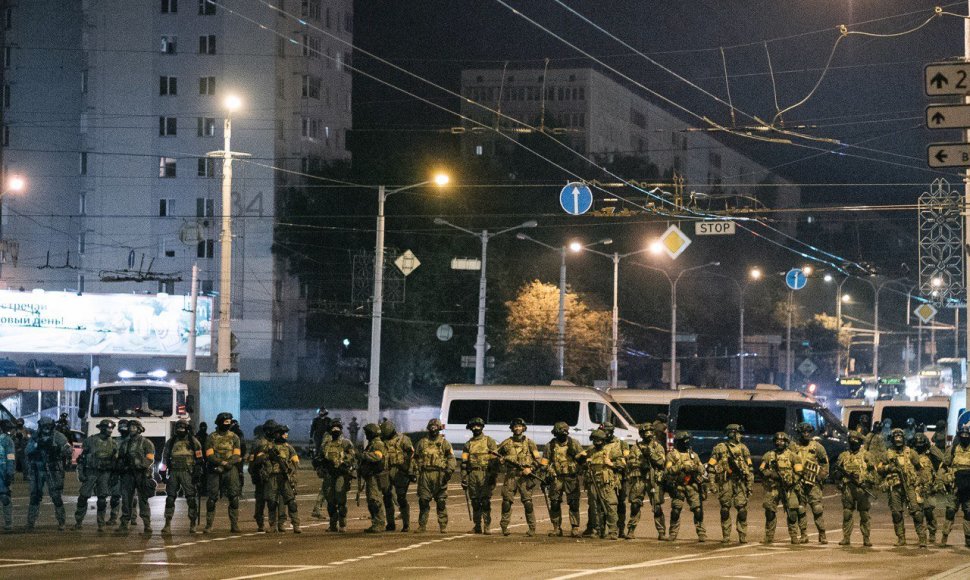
{"x": 855, "y": 436}
{"x": 683, "y": 436}
{"x": 781, "y": 436}
{"x": 644, "y": 428}
{"x": 475, "y": 421}
{"x": 281, "y": 429}
{"x": 372, "y": 430}
{"x": 45, "y": 423}
{"x": 733, "y": 427}
{"x": 897, "y": 431}
{"x": 560, "y": 428}
{"x": 64, "y": 416}
{"x": 804, "y": 427}
{"x": 135, "y": 426}
{"x": 323, "y": 411}
{"x": 387, "y": 428}
{"x": 517, "y": 421}
{"x": 608, "y": 428}
{"x": 921, "y": 442}
{"x": 597, "y": 435}
{"x": 221, "y": 418}
{"x": 964, "y": 429}
{"x": 337, "y": 424}
{"x": 435, "y": 424}
{"x": 269, "y": 426}
{"x": 106, "y": 424}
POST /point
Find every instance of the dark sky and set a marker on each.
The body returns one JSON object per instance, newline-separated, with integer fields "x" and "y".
{"x": 872, "y": 94}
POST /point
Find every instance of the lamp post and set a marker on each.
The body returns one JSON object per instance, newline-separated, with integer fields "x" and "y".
{"x": 839, "y": 299}
{"x": 377, "y": 302}
{"x": 232, "y": 104}
{"x": 673, "y": 312}
{"x": 877, "y": 288}
{"x": 573, "y": 247}
{"x": 484, "y": 236}
{"x": 754, "y": 275}
{"x": 14, "y": 184}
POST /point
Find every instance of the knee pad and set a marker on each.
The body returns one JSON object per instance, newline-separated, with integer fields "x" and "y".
{"x": 743, "y": 515}
{"x": 951, "y": 513}
{"x": 424, "y": 504}
{"x": 637, "y": 503}
{"x": 528, "y": 507}
{"x": 897, "y": 517}
{"x": 725, "y": 513}
{"x": 770, "y": 515}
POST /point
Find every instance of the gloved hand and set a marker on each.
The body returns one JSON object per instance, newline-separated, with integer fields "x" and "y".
{"x": 413, "y": 477}
{"x": 464, "y": 484}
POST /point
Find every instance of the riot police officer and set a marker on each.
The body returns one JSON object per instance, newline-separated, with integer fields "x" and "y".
{"x": 900, "y": 470}
{"x": 276, "y": 463}
{"x": 856, "y": 470}
{"x": 336, "y": 462}
{"x": 182, "y": 457}
{"x": 136, "y": 455}
{"x": 479, "y": 469}
{"x": 563, "y": 455}
{"x": 8, "y": 467}
{"x": 734, "y": 476}
{"x": 434, "y": 462}
{"x": 400, "y": 452}
{"x": 645, "y": 467}
{"x": 223, "y": 451}
{"x": 374, "y": 475}
{"x": 815, "y": 464}
{"x": 95, "y": 467}
{"x": 684, "y": 474}
{"x": 780, "y": 468}
{"x": 47, "y": 453}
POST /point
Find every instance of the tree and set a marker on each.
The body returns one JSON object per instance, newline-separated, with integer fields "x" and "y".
{"x": 532, "y": 335}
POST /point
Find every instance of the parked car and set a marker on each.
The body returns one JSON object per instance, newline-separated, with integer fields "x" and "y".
{"x": 42, "y": 368}
{"x": 8, "y": 368}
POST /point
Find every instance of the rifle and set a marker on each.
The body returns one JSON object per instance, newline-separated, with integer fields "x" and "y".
{"x": 357, "y": 498}
{"x": 854, "y": 479}
{"x": 785, "y": 489}
{"x": 519, "y": 466}
{"x": 285, "y": 469}
{"x": 468, "y": 503}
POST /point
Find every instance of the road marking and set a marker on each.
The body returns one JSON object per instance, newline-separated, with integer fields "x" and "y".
{"x": 695, "y": 557}
{"x": 424, "y": 568}
{"x": 285, "y": 570}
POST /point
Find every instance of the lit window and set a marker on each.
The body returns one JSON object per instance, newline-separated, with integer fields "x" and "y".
{"x": 166, "y": 167}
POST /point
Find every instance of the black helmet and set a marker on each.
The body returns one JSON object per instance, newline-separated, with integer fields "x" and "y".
{"x": 63, "y": 415}
{"x": 804, "y": 427}
{"x": 281, "y": 430}
{"x": 45, "y": 423}
{"x": 270, "y": 426}
{"x": 221, "y": 419}
{"x": 322, "y": 411}
{"x": 337, "y": 424}
{"x": 475, "y": 421}
{"x": 106, "y": 424}
{"x": 517, "y": 421}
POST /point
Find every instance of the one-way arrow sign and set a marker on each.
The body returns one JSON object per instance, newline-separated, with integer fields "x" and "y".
{"x": 947, "y": 78}
{"x": 948, "y": 116}
{"x": 948, "y": 155}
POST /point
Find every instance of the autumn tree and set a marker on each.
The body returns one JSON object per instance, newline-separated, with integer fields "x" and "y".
{"x": 532, "y": 327}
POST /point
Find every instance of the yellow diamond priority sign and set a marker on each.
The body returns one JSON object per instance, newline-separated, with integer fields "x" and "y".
{"x": 925, "y": 312}
{"x": 674, "y": 242}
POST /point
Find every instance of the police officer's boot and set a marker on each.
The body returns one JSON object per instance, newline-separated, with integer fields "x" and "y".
{"x": 821, "y": 537}
{"x": 77, "y": 524}
{"x": 530, "y": 519}
{"x": 900, "y": 533}
{"x": 167, "y": 529}
{"x": 423, "y": 520}
{"x": 405, "y": 520}
{"x": 234, "y": 520}
{"x": 210, "y": 518}
{"x": 113, "y": 518}
{"x": 631, "y": 532}
{"x": 32, "y": 512}
{"x": 486, "y": 523}
{"x": 192, "y": 524}
{"x": 7, "y": 509}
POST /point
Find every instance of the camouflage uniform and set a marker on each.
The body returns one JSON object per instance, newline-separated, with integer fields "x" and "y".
{"x": 731, "y": 463}
{"x": 780, "y": 469}
{"x": 337, "y": 460}
{"x": 602, "y": 463}
{"x": 374, "y": 476}
{"x": 136, "y": 455}
{"x": 261, "y": 441}
{"x": 645, "y": 466}
{"x": 623, "y": 490}
{"x": 479, "y": 468}
{"x": 815, "y": 464}
{"x": 223, "y": 451}
{"x": 900, "y": 471}
{"x": 521, "y": 458}
{"x": 563, "y": 454}
{"x": 927, "y": 486}
{"x": 46, "y": 454}
{"x": 400, "y": 451}
{"x": 94, "y": 469}
{"x": 434, "y": 462}
{"x": 956, "y": 463}
{"x": 857, "y": 476}
{"x": 8, "y": 467}
{"x": 183, "y": 457}
{"x": 276, "y": 463}
{"x": 683, "y": 473}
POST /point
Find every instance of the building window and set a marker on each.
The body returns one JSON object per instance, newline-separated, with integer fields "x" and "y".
{"x": 311, "y": 9}
{"x": 311, "y": 87}
{"x": 166, "y": 207}
{"x": 207, "y": 85}
{"x": 278, "y": 284}
{"x": 6, "y": 136}
{"x": 7, "y": 56}
{"x": 347, "y": 62}
{"x": 167, "y": 126}
{"x": 207, "y": 44}
{"x": 206, "y": 126}
{"x": 167, "y": 287}
{"x": 81, "y": 243}
{"x": 281, "y": 88}
{"x": 169, "y": 43}
{"x": 166, "y": 167}
{"x": 311, "y": 128}
{"x": 170, "y": 6}
{"x": 348, "y": 22}
{"x": 83, "y": 163}
{"x": 207, "y": 167}
{"x": 8, "y": 18}
{"x": 82, "y": 203}
{"x": 479, "y": 150}
{"x": 311, "y": 46}
{"x": 328, "y": 17}
{"x": 204, "y": 207}
{"x": 206, "y": 8}
{"x": 206, "y": 286}
{"x": 84, "y": 81}
{"x": 168, "y": 86}
{"x": 205, "y": 248}
{"x": 715, "y": 160}
{"x": 6, "y": 96}
{"x": 278, "y": 330}
{"x": 582, "y": 94}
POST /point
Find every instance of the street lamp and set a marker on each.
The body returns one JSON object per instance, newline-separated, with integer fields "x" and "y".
{"x": 673, "y": 312}
{"x": 876, "y": 289}
{"x": 575, "y": 247}
{"x": 377, "y": 303}
{"x": 839, "y": 299}
{"x": 232, "y": 104}
{"x": 754, "y": 275}
{"x": 484, "y": 236}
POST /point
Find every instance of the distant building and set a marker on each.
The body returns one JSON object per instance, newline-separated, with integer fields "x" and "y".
{"x": 109, "y": 111}
{"x": 599, "y": 117}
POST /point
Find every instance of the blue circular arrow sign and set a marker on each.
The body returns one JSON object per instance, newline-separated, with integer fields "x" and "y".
{"x": 795, "y": 279}
{"x": 576, "y": 198}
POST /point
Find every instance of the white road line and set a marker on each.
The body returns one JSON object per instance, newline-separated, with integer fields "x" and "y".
{"x": 404, "y": 548}
{"x": 287, "y": 570}
{"x": 687, "y": 558}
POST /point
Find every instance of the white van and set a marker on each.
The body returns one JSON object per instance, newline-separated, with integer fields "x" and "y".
{"x": 958, "y": 413}
{"x": 927, "y": 412}
{"x": 582, "y": 408}
{"x": 852, "y": 412}
{"x": 644, "y": 404}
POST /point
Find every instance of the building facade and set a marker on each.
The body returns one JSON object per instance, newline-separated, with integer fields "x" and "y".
{"x": 110, "y": 112}
{"x": 600, "y": 118}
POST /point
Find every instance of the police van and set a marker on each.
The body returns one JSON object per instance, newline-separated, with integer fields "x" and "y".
{"x": 582, "y": 408}
{"x": 927, "y": 413}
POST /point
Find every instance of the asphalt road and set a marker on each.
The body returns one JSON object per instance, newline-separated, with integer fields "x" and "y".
{"x": 47, "y": 553}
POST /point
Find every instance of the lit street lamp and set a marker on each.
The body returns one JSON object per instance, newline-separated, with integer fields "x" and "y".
{"x": 574, "y": 247}
{"x": 484, "y": 236}
{"x": 673, "y": 312}
{"x": 754, "y": 275}
{"x": 377, "y": 305}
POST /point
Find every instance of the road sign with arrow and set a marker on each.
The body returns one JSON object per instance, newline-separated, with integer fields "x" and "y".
{"x": 947, "y": 78}
{"x": 948, "y": 116}
{"x": 948, "y": 155}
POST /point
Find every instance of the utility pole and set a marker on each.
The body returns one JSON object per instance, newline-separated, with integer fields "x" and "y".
{"x": 193, "y": 304}
{"x": 788, "y": 353}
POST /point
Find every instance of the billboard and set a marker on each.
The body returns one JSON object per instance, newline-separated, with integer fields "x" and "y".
{"x": 124, "y": 324}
